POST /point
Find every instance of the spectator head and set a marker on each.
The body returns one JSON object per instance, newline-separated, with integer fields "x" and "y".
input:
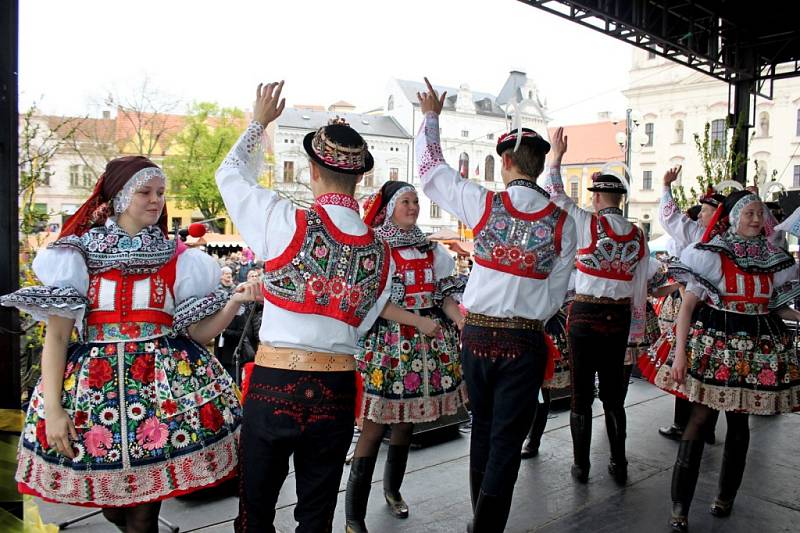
{"x": 227, "y": 276}
{"x": 254, "y": 275}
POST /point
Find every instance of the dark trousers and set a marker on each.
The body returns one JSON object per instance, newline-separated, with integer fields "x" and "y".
{"x": 310, "y": 415}
{"x": 504, "y": 369}
{"x": 598, "y": 337}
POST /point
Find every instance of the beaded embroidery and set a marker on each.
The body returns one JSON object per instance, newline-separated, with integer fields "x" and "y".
{"x": 611, "y": 256}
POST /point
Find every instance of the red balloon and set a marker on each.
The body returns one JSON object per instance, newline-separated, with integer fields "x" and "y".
{"x": 197, "y": 230}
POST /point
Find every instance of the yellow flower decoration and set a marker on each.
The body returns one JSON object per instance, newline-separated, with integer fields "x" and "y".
{"x": 377, "y": 378}
{"x": 184, "y": 368}
{"x": 69, "y": 383}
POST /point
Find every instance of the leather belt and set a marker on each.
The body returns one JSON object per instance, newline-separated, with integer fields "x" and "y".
{"x": 296, "y": 359}
{"x": 585, "y": 298}
{"x": 486, "y": 321}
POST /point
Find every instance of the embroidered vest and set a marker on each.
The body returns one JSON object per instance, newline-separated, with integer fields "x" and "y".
{"x": 609, "y": 255}
{"x": 418, "y": 279}
{"x": 125, "y": 306}
{"x": 744, "y": 292}
{"x": 327, "y": 272}
{"x": 518, "y": 243}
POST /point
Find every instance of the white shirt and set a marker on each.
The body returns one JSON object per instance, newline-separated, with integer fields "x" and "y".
{"x": 596, "y": 286}
{"x": 491, "y": 292}
{"x": 267, "y": 223}
{"x": 682, "y": 230}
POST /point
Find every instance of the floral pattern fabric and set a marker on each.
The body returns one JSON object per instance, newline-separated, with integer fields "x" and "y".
{"x": 155, "y": 418}
{"x": 556, "y": 329}
{"x": 409, "y": 377}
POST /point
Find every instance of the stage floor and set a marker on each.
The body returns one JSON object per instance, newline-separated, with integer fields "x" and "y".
{"x": 546, "y": 499}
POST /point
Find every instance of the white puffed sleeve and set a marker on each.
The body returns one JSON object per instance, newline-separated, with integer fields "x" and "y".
{"x": 197, "y": 277}
{"x": 65, "y": 282}
{"x": 447, "y": 282}
{"x": 700, "y": 271}
{"x": 443, "y": 262}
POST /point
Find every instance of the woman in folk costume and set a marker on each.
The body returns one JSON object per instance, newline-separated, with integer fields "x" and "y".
{"x": 732, "y": 354}
{"x": 137, "y": 411}
{"x": 556, "y": 330}
{"x": 408, "y": 378}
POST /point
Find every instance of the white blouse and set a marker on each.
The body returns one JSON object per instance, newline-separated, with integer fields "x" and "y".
{"x": 682, "y": 230}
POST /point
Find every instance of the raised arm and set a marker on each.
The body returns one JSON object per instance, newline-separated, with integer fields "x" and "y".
{"x": 555, "y": 186}
{"x": 250, "y": 205}
{"x": 683, "y": 230}
{"x": 440, "y": 182}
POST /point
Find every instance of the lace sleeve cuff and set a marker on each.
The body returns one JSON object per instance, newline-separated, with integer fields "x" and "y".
{"x": 784, "y": 294}
{"x": 448, "y": 286}
{"x": 195, "y": 310}
{"x": 42, "y": 301}
{"x": 554, "y": 185}
{"x": 247, "y": 154}
{"x": 429, "y": 147}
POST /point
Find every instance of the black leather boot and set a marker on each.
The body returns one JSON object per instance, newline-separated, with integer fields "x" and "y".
{"x": 393, "y": 473}
{"x": 530, "y": 448}
{"x": 730, "y": 477}
{"x": 358, "y": 487}
{"x": 616, "y": 423}
{"x": 580, "y": 426}
{"x": 491, "y": 514}
{"x": 475, "y": 482}
{"x": 684, "y": 481}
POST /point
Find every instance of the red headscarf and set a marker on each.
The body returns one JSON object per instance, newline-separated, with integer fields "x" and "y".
{"x": 98, "y": 207}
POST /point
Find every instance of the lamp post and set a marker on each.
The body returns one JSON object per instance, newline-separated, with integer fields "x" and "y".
{"x": 624, "y": 141}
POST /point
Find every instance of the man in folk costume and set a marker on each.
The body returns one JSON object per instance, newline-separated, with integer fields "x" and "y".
{"x": 325, "y": 282}
{"x": 610, "y": 302}
{"x": 524, "y": 251}
{"x": 683, "y": 232}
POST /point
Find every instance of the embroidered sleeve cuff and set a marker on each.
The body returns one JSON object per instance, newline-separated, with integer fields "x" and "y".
{"x": 686, "y": 276}
{"x": 448, "y": 286}
{"x": 554, "y": 186}
{"x": 247, "y": 154}
{"x": 195, "y": 310}
{"x": 785, "y": 294}
{"x": 428, "y": 146}
{"x": 398, "y": 291}
{"x": 43, "y": 301}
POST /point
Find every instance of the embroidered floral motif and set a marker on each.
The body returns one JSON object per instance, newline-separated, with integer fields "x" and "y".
{"x": 755, "y": 254}
{"x": 611, "y": 256}
{"x": 669, "y": 207}
{"x": 343, "y": 200}
{"x": 41, "y": 301}
{"x": 195, "y": 310}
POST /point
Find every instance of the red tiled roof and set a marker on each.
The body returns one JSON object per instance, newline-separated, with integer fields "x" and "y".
{"x": 592, "y": 143}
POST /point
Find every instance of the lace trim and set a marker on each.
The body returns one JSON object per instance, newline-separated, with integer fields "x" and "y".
{"x": 397, "y": 237}
{"x": 123, "y": 198}
{"x": 241, "y": 156}
{"x": 785, "y": 294}
{"x": 756, "y": 255}
{"x": 110, "y": 247}
{"x": 448, "y": 286}
{"x": 195, "y": 310}
{"x": 528, "y": 184}
{"x": 417, "y": 410}
{"x": 43, "y": 301}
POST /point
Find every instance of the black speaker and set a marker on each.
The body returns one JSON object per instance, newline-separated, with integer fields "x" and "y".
{"x": 789, "y": 201}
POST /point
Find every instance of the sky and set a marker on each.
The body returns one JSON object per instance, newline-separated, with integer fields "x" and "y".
{"x": 73, "y": 54}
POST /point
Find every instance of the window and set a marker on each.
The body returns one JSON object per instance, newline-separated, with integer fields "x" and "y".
{"x": 74, "y": 175}
{"x": 369, "y": 179}
{"x": 88, "y": 179}
{"x": 646, "y": 230}
{"x": 463, "y": 165}
{"x": 647, "y": 180}
{"x": 796, "y": 177}
{"x": 288, "y": 171}
{"x": 573, "y": 190}
{"x": 719, "y": 133}
{"x": 488, "y": 168}
{"x": 649, "y": 128}
{"x": 465, "y": 133}
{"x": 678, "y": 132}
{"x": 435, "y": 211}
{"x": 490, "y": 136}
{"x": 797, "y": 127}
{"x": 763, "y": 124}
{"x": 394, "y": 174}
{"x": 390, "y": 103}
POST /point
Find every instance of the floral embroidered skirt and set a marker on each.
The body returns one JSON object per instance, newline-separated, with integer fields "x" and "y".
{"x": 556, "y": 329}
{"x": 652, "y": 332}
{"x": 409, "y": 377}
{"x": 736, "y": 362}
{"x": 155, "y": 419}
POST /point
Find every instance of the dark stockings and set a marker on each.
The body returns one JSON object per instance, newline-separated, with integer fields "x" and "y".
{"x": 139, "y": 519}
{"x": 369, "y": 442}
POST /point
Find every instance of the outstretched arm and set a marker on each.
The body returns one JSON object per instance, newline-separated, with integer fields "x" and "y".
{"x": 683, "y": 230}
{"x": 250, "y": 205}
{"x": 202, "y": 332}
{"x": 440, "y": 182}
{"x": 555, "y": 186}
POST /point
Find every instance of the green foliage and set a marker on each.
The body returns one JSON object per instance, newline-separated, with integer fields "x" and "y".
{"x": 718, "y": 160}
{"x": 197, "y": 152}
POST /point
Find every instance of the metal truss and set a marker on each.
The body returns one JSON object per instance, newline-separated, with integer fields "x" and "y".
{"x": 692, "y": 33}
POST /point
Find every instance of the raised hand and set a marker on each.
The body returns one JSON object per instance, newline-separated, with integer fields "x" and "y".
{"x": 248, "y": 292}
{"x": 269, "y": 104}
{"x": 429, "y": 101}
{"x": 671, "y": 175}
{"x": 559, "y": 144}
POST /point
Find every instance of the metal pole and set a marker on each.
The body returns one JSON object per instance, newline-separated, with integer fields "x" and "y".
{"x": 628, "y": 132}
{"x": 741, "y": 108}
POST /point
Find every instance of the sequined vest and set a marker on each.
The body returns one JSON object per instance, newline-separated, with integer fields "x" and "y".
{"x": 744, "y": 292}
{"x": 609, "y": 255}
{"x": 515, "y": 242}
{"x": 327, "y": 272}
{"x": 418, "y": 279}
{"x": 125, "y": 306}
